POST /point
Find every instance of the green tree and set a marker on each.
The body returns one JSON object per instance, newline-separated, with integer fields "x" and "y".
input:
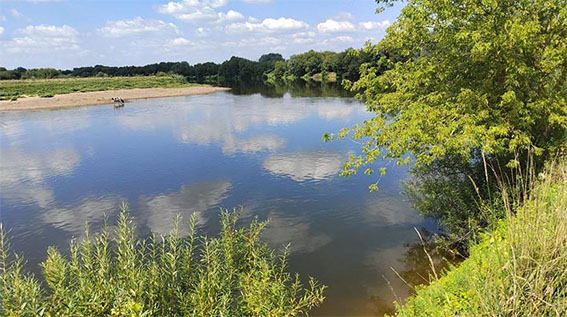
{"x": 271, "y": 57}
{"x": 475, "y": 79}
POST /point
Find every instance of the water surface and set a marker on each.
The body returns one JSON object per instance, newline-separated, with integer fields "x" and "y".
{"x": 200, "y": 153}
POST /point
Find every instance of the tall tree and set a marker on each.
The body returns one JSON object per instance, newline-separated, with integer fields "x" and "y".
{"x": 475, "y": 76}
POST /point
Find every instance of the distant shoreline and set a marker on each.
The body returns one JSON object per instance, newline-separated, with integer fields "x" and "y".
{"x": 80, "y": 99}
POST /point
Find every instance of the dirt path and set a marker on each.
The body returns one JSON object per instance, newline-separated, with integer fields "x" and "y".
{"x": 79, "y": 99}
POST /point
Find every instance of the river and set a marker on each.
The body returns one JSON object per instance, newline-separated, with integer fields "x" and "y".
{"x": 168, "y": 156}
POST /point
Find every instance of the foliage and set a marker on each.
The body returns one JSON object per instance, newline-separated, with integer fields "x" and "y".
{"x": 458, "y": 195}
{"x": 234, "y": 274}
{"x": 519, "y": 269}
{"x": 271, "y": 68}
{"x": 12, "y": 89}
{"x": 271, "y": 57}
{"x": 464, "y": 79}
{"x": 241, "y": 70}
{"x": 22, "y": 73}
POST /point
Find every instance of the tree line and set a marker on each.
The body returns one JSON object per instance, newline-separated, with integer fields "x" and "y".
{"x": 271, "y": 67}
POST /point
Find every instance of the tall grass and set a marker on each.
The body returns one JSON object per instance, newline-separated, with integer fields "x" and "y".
{"x": 519, "y": 269}
{"x": 113, "y": 273}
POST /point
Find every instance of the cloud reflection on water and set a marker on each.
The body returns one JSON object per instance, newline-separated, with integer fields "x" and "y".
{"x": 293, "y": 230}
{"x": 304, "y": 166}
{"x": 72, "y": 218}
{"x": 222, "y": 118}
{"x": 158, "y": 212}
{"x": 24, "y": 174}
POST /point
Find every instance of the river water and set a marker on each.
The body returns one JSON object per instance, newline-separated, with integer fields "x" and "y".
{"x": 199, "y": 153}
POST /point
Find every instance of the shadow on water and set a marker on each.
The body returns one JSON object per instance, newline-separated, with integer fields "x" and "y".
{"x": 298, "y": 88}
{"x": 422, "y": 263}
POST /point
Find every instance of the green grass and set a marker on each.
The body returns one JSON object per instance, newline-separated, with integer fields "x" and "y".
{"x": 519, "y": 269}
{"x": 112, "y": 273}
{"x": 13, "y": 89}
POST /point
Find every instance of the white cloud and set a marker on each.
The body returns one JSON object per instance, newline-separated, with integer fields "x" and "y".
{"x": 188, "y": 5}
{"x": 231, "y": 15}
{"x": 344, "y": 38}
{"x": 258, "y": 1}
{"x": 343, "y": 16}
{"x": 49, "y": 31}
{"x": 137, "y": 25}
{"x": 268, "y": 25}
{"x": 304, "y": 34}
{"x": 44, "y": 38}
{"x": 199, "y": 10}
{"x": 1, "y": 30}
{"x": 372, "y": 25}
{"x": 303, "y": 37}
{"x": 303, "y": 41}
{"x": 180, "y": 41}
{"x": 335, "y": 26}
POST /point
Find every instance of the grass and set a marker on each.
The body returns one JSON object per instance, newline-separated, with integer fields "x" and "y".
{"x": 13, "y": 89}
{"x": 519, "y": 269}
{"x": 234, "y": 274}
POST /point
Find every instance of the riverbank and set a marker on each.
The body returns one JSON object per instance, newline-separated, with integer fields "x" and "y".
{"x": 518, "y": 269}
{"x": 79, "y": 99}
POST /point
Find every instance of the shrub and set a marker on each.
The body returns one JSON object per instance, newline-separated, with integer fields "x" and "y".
{"x": 234, "y": 274}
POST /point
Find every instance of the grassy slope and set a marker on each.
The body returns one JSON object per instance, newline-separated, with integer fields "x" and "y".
{"x": 12, "y": 89}
{"x": 520, "y": 269}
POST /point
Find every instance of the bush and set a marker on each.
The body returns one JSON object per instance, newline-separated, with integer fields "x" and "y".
{"x": 234, "y": 274}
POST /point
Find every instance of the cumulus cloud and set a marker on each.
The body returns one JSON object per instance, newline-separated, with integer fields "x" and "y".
{"x": 137, "y": 25}
{"x": 372, "y": 25}
{"x": 1, "y": 30}
{"x": 335, "y": 26}
{"x": 199, "y": 11}
{"x": 231, "y": 15}
{"x": 268, "y": 25}
{"x": 35, "y": 38}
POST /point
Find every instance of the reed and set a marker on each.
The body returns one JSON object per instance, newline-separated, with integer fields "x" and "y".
{"x": 518, "y": 269}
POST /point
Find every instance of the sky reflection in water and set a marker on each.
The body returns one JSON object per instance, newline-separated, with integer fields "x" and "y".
{"x": 196, "y": 154}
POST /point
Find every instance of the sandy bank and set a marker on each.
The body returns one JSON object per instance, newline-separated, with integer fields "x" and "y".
{"x": 79, "y": 99}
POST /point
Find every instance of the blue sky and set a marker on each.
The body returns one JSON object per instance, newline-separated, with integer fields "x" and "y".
{"x": 71, "y": 33}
